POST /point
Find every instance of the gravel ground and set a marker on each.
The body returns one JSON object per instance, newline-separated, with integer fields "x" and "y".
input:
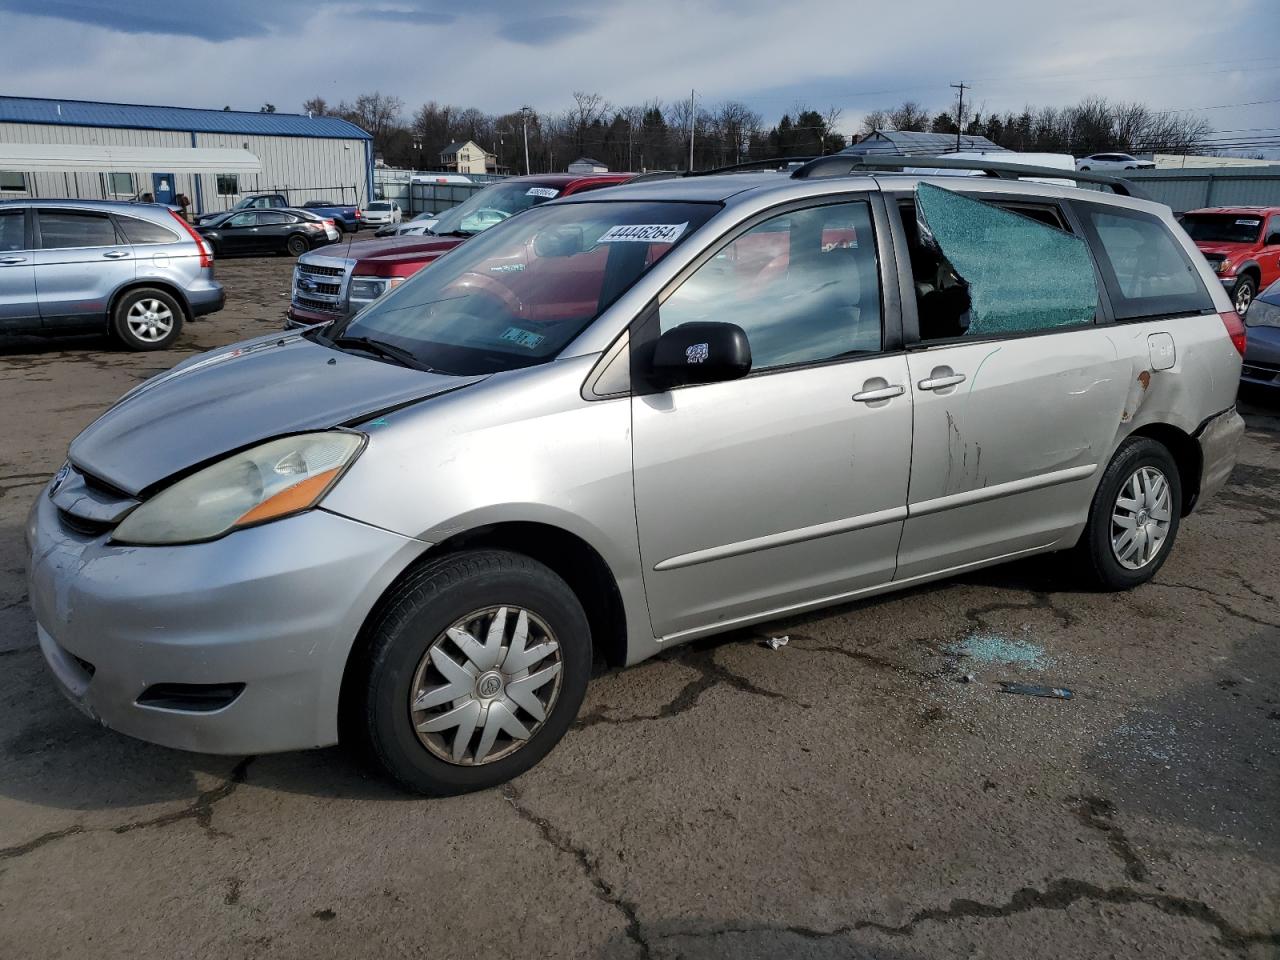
{"x": 846, "y": 795}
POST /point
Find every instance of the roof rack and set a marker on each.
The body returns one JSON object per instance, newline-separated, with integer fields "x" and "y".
{"x": 840, "y": 165}
{"x": 768, "y": 163}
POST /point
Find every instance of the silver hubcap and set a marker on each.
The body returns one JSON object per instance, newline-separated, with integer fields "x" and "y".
{"x": 1141, "y": 519}
{"x": 1244, "y": 297}
{"x": 485, "y": 685}
{"x": 150, "y": 320}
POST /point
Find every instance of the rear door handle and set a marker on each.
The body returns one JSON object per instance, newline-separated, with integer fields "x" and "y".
{"x": 116, "y": 254}
{"x": 881, "y": 393}
{"x": 940, "y": 383}
{"x": 10, "y": 261}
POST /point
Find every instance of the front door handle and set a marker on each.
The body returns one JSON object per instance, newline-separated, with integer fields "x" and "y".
{"x": 940, "y": 383}
{"x": 10, "y": 261}
{"x": 116, "y": 254}
{"x": 880, "y": 393}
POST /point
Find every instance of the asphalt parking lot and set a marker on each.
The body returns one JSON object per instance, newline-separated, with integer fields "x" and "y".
{"x": 845, "y": 795}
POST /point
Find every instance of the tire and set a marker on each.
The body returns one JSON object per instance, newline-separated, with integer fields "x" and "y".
{"x": 147, "y": 319}
{"x": 1083, "y": 169}
{"x": 296, "y": 245}
{"x": 1242, "y": 296}
{"x": 402, "y": 662}
{"x": 341, "y": 230}
{"x": 1098, "y": 554}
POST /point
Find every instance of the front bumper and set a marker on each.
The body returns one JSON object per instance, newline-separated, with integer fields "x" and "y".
{"x": 275, "y": 608}
{"x": 1219, "y": 439}
{"x": 1228, "y": 283}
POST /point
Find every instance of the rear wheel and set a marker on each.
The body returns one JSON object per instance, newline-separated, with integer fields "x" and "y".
{"x": 1246, "y": 289}
{"x": 1134, "y": 517}
{"x": 147, "y": 319}
{"x": 473, "y": 672}
{"x": 297, "y": 245}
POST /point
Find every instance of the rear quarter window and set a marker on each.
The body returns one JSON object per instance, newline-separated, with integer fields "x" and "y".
{"x": 144, "y": 231}
{"x": 1146, "y": 271}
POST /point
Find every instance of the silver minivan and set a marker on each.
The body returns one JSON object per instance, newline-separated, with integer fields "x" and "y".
{"x": 137, "y": 270}
{"x": 619, "y": 422}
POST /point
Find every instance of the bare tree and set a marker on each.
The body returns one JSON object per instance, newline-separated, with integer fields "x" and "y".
{"x": 315, "y": 106}
{"x": 873, "y": 121}
{"x": 376, "y": 113}
{"x": 909, "y": 115}
{"x": 588, "y": 110}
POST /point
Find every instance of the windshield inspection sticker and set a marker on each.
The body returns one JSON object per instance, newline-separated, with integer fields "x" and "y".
{"x": 644, "y": 233}
{"x": 546, "y": 192}
{"x": 522, "y": 337}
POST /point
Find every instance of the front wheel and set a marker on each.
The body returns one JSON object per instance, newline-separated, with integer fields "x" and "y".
{"x": 297, "y": 245}
{"x": 147, "y": 319}
{"x": 1246, "y": 289}
{"x": 1134, "y": 517}
{"x": 473, "y": 672}
{"x": 1084, "y": 169}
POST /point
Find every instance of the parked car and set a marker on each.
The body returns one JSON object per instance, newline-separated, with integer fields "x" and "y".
{"x": 619, "y": 422}
{"x": 1113, "y": 161}
{"x": 135, "y": 270}
{"x": 1262, "y": 355}
{"x": 344, "y": 216}
{"x": 418, "y": 226}
{"x": 326, "y": 286}
{"x": 267, "y": 231}
{"x": 379, "y": 213}
{"x": 1242, "y": 244}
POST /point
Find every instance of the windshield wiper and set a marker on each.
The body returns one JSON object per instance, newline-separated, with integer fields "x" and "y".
{"x": 455, "y": 233}
{"x": 386, "y": 350}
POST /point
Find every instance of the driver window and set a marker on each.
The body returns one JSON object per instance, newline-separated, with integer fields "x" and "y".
{"x": 243, "y": 220}
{"x": 804, "y": 286}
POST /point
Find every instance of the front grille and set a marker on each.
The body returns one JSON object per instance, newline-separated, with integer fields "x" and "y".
{"x": 83, "y": 525}
{"x": 307, "y": 303}
{"x": 328, "y": 289}
{"x": 318, "y": 271}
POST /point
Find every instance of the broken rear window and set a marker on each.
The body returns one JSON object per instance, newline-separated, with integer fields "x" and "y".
{"x": 984, "y": 271}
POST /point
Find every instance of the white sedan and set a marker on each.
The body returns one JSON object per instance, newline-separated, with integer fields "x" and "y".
{"x": 1113, "y": 161}
{"x": 381, "y": 212}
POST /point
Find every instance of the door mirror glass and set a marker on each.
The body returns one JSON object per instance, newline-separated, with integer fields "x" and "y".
{"x": 980, "y": 270}
{"x": 709, "y": 352}
{"x": 1273, "y": 239}
{"x": 558, "y": 242}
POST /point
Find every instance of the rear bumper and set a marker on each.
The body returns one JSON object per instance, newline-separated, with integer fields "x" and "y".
{"x": 1219, "y": 440}
{"x": 208, "y": 301}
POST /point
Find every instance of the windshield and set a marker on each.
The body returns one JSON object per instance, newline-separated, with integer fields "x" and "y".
{"x": 515, "y": 296}
{"x": 1222, "y": 228}
{"x": 379, "y": 206}
{"x": 492, "y": 205}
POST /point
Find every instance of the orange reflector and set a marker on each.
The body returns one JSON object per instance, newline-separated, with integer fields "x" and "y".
{"x": 291, "y": 500}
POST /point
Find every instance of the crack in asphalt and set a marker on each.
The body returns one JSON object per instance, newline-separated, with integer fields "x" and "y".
{"x": 1098, "y": 814}
{"x": 200, "y": 810}
{"x": 710, "y": 673}
{"x": 1058, "y": 895}
{"x": 1215, "y": 597}
{"x": 1041, "y": 600}
{"x": 603, "y": 890}
{"x": 871, "y": 659}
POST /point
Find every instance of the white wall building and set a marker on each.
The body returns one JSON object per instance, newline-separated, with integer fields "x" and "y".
{"x": 302, "y": 156}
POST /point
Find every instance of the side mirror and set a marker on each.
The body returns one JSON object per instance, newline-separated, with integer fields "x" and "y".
{"x": 1273, "y": 240}
{"x": 558, "y": 242}
{"x": 701, "y": 353}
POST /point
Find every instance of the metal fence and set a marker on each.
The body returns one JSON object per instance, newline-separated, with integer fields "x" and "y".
{"x": 415, "y": 198}
{"x": 1192, "y": 188}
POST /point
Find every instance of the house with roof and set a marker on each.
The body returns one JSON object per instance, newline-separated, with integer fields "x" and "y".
{"x": 467, "y": 156}
{"x": 117, "y": 151}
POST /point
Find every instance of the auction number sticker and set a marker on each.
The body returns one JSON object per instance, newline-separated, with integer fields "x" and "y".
{"x": 545, "y": 192}
{"x": 523, "y": 338}
{"x": 644, "y": 233}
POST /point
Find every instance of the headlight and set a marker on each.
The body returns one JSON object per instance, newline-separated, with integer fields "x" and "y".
{"x": 1221, "y": 266}
{"x": 1263, "y": 314}
{"x": 270, "y": 481}
{"x": 373, "y": 289}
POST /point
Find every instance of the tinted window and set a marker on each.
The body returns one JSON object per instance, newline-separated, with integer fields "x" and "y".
{"x": 59, "y": 230}
{"x": 514, "y": 297}
{"x": 804, "y": 286}
{"x": 242, "y": 220}
{"x": 228, "y": 184}
{"x": 1222, "y": 227}
{"x": 269, "y": 218}
{"x": 981, "y": 270}
{"x": 12, "y": 230}
{"x": 144, "y": 231}
{"x": 1146, "y": 271}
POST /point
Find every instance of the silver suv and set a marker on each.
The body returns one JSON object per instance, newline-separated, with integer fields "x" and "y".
{"x": 75, "y": 266}
{"x": 619, "y": 422}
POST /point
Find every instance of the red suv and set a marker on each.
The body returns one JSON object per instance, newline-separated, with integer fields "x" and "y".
{"x": 1242, "y": 244}
{"x": 329, "y": 286}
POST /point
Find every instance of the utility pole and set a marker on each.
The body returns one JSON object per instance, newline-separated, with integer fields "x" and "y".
{"x": 959, "y": 111}
{"x": 524, "y": 115}
{"x": 692, "y": 120}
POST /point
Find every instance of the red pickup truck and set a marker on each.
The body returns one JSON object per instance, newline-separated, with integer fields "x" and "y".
{"x": 329, "y": 286}
{"x": 1242, "y": 244}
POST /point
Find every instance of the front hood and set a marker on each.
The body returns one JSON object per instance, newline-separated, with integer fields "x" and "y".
{"x": 232, "y": 398}
{"x": 1232, "y": 251}
{"x": 400, "y": 248}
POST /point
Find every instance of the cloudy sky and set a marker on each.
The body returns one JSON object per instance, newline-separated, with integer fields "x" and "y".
{"x": 1216, "y": 58}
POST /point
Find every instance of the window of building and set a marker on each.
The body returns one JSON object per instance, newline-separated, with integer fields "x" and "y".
{"x": 1146, "y": 272}
{"x": 228, "y": 184}
{"x": 13, "y": 182}
{"x": 118, "y": 184}
{"x": 804, "y": 286}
